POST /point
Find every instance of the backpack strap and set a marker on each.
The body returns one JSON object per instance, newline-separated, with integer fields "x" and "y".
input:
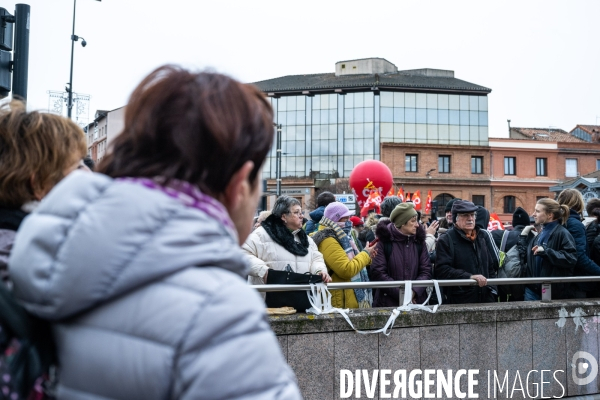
{"x": 503, "y": 243}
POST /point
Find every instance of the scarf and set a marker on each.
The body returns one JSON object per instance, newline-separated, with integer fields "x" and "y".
{"x": 190, "y": 196}
{"x": 281, "y": 235}
{"x": 364, "y": 297}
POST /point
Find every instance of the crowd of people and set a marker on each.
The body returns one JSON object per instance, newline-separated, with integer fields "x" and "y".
{"x": 554, "y": 241}
{"x": 142, "y": 268}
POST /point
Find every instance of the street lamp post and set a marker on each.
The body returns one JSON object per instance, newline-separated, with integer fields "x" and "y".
{"x": 74, "y": 39}
{"x": 278, "y": 160}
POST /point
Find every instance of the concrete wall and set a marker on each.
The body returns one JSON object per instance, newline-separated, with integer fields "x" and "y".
{"x": 499, "y": 337}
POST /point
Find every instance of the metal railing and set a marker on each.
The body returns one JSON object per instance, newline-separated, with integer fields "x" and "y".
{"x": 546, "y": 282}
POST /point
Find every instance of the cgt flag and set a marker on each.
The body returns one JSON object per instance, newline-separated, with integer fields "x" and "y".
{"x": 494, "y": 223}
{"x": 392, "y": 192}
{"x": 416, "y": 199}
{"x": 428, "y": 203}
{"x": 373, "y": 202}
{"x": 401, "y": 193}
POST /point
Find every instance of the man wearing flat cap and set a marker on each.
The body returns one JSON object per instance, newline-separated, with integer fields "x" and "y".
{"x": 465, "y": 252}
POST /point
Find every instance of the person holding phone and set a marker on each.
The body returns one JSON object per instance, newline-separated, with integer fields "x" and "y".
{"x": 342, "y": 257}
{"x": 401, "y": 255}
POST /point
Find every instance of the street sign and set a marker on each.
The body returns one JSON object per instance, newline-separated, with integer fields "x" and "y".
{"x": 349, "y": 200}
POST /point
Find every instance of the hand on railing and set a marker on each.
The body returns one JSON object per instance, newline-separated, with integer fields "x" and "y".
{"x": 481, "y": 280}
{"x": 325, "y": 276}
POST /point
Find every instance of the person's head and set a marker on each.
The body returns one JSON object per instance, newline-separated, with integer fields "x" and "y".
{"x": 324, "y": 199}
{"x": 593, "y": 208}
{"x": 337, "y": 212}
{"x": 89, "y": 163}
{"x": 261, "y": 217}
{"x": 405, "y": 218}
{"x": 573, "y": 199}
{"x": 520, "y": 217}
{"x": 289, "y": 210}
{"x": 37, "y": 150}
{"x": 203, "y": 128}
{"x": 448, "y": 210}
{"x": 548, "y": 210}
{"x": 464, "y": 214}
{"x": 388, "y": 205}
{"x": 357, "y": 223}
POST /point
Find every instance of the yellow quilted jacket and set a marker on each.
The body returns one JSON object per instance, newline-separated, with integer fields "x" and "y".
{"x": 340, "y": 268}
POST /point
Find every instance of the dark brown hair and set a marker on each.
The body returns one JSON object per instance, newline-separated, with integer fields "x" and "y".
{"x": 196, "y": 127}
{"x": 38, "y": 145}
{"x": 593, "y": 208}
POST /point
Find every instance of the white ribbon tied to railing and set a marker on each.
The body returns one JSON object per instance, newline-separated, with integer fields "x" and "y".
{"x": 320, "y": 300}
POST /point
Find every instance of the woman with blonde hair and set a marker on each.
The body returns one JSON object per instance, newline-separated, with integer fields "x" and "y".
{"x": 553, "y": 252}
{"x": 573, "y": 199}
{"x": 37, "y": 150}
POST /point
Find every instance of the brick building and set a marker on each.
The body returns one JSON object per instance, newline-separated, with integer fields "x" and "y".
{"x": 508, "y": 173}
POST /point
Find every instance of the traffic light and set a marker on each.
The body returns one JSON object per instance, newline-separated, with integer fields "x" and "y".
{"x": 7, "y": 22}
{"x": 14, "y": 60}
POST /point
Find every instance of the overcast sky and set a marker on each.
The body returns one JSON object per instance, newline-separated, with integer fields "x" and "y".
{"x": 540, "y": 58}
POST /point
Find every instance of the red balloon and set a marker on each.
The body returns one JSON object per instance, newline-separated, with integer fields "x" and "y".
{"x": 370, "y": 175}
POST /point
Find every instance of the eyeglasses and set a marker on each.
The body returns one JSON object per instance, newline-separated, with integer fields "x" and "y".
{"x": 297, "y": 213}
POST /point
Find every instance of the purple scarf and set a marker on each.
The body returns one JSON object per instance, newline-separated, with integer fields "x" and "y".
{"x": 190, "y": 196}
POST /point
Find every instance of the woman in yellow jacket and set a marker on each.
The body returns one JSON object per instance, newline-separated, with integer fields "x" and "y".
{"x": 344, "y": 261}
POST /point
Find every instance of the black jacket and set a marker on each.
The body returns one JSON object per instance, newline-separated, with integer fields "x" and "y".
{"x": 466, "y": 259}
{"x": 558, "y": 259}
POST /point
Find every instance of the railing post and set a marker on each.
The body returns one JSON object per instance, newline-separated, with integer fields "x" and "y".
{"x": 401, "y": 291}
{"x": 546, "y": 292}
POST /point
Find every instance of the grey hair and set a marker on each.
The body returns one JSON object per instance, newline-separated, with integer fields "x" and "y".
{"x": 283, "y": 204}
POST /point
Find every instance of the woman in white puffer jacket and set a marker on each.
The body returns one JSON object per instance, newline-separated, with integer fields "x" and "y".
{"x": 280, "y": 241}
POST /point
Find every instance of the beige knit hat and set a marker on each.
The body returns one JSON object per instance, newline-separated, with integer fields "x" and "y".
{"x": 402, "y": 214}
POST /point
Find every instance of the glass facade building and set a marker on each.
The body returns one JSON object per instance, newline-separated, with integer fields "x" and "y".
{"x": 331, "y": 133}
{"x": 331, "y": 122}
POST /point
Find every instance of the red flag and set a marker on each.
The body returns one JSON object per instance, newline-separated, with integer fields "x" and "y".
{"x": 428, "y": 203}
{"x": 401, "y": 193}
{"x": 408, "y": 197}
{"x": 373, "y": 202}
{"x": 494, "y": 222}
{"x": 417, "y": 200}
{"x": 392, "y": 192}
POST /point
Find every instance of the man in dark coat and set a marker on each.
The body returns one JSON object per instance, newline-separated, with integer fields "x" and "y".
{"x": 464, "y": 253}
{"x": 408, "y": 258}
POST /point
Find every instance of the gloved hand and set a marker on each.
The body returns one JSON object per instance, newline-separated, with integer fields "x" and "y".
{"x": 526, "y": 230}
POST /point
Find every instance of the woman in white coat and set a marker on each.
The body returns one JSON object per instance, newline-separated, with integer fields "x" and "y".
{"x": 280, "y": 241}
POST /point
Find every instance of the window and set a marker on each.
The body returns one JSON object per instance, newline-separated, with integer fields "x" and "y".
{"x": 509, "y": 203}
{"x": 444, "y": 164}
{"x": 541, "y": 166}
{"x": 412, "y": 162}
{"x": 509, "y": 165}
{"x": 571, "y": 167}
{"x": 477, "y": 165}
{"x": 597, "y": 165}
{"x": 479, "y": 200}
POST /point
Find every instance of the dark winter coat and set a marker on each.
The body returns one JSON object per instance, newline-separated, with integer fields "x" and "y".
{"x": 405, "y": 263}
{"x": 591, "y": 233}
{"x": 585, "y": 266}
{"x": 313, "y": 223}
{"x": 558, "y": 259}
{"x": 366, "y": 235}
{"x": 468, "y": 258}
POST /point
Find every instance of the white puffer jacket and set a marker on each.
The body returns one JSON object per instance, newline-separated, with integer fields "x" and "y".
{"x": 263, "y": 253}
